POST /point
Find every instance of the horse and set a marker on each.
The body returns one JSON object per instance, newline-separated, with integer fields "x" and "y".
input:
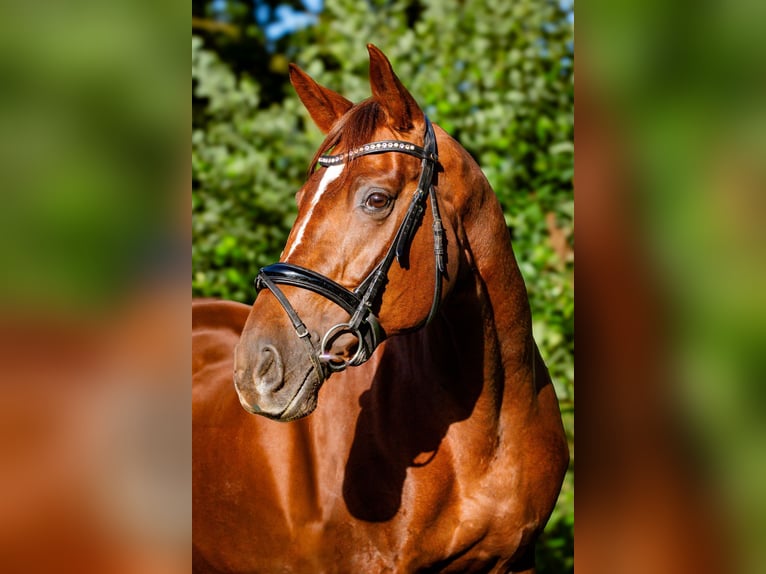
{"x": 438, "y": 445}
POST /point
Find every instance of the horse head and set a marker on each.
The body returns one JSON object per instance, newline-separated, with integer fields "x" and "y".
{"x": 369, "y": 255}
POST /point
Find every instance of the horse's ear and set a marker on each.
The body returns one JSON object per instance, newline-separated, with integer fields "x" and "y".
{"x": 403, "y": 111}
{"x": 324, "y": 105}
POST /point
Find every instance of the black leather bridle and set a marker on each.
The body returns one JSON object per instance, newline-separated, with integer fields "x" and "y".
{"x": 358, "y": 303}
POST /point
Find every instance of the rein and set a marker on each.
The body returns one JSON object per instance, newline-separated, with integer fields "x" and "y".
{"x": 363, "y": 323}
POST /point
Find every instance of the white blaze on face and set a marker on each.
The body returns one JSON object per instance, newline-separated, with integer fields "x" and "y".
{"x": 331, "y": 174}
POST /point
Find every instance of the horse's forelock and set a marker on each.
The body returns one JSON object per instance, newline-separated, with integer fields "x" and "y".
{"x": 354, "y": 129}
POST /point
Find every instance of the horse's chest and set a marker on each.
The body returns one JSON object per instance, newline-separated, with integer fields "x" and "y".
{"x": 364, "y": 512}
{"x": 429, "y": 522}
{"x": 423, "y": 518}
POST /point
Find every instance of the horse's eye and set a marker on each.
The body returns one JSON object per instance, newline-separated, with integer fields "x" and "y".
{"x": 377, "y": 201}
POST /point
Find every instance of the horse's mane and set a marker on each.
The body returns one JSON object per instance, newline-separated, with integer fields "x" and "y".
{"x": 354, "y": 129}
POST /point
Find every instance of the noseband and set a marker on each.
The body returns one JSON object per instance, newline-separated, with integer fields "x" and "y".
{"x": 363, "y": 323}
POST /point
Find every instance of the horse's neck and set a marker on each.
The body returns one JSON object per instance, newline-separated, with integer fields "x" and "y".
{"x": 489, "y": 274}
{"x": 489, "y": 318}
{"x": 472, "y": 365}
{"x": 495, "y": 282}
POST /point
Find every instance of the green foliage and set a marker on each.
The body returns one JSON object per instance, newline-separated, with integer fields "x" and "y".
{"x": 247, "y": 163}
{"x": 497, "y": 75}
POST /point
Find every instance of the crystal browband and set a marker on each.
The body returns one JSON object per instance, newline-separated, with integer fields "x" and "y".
{"x": 377, "y": 147}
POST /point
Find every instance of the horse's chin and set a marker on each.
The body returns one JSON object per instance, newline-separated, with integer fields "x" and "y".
{"x": 290, "y": 407}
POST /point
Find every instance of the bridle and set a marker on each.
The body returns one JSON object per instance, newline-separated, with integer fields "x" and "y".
{"x": 363, "y": 323}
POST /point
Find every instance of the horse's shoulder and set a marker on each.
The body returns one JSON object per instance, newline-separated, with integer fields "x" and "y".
{"x": 216, "y": 326}
{"x": 214, "y": 314}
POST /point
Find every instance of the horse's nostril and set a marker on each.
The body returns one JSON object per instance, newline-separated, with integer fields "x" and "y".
{"x": 265, "y": 361}
{"x": 268, "y": 374}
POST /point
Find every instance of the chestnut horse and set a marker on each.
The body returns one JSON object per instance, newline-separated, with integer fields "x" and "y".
{"x": 441, "y": 451}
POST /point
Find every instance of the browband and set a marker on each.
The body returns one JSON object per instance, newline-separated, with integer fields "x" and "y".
{"x": 378, "y": 147}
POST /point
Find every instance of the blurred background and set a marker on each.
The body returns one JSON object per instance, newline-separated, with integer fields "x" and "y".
{"x": 671, "y": 182}
{"x": 498, "y": 76}
{"x": 95, "y": 454}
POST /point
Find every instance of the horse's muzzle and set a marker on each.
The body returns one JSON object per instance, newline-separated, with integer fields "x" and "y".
{"x": 265, "y": 386}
